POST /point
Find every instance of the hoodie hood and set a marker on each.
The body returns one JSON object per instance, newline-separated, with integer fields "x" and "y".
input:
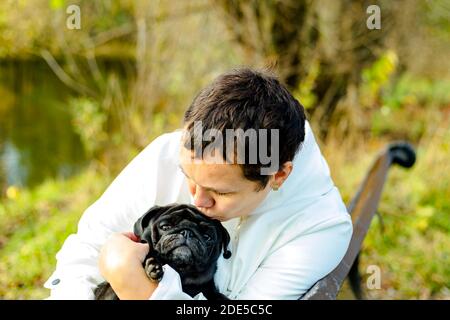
{"x": 309, "y": 179}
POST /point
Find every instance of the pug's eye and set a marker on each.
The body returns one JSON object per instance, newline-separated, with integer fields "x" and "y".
{"x": 207, "y": 237}
{"x": 165, "y": 227}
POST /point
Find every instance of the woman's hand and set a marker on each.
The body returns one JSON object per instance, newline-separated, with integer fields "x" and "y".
{"x": 120, "y": 263}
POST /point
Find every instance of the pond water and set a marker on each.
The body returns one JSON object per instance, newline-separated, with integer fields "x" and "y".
{"x": 37, "y": 138}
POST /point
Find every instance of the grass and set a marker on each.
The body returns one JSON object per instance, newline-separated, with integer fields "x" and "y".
{"x": 34, "y": 224}
{"x": 413, "y": 251}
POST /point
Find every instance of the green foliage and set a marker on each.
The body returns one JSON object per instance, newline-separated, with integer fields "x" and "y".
{"x": 408, "y": 106}
{"x": 305, "y": 91}
{"x": 89, "y": 121}
{"x": 56, "y": 4}
{"x": 376, "y": 76}
{"x": 29, "y": 257}
{"x": 413, "y": 90}
{"x": 34, "y": 224}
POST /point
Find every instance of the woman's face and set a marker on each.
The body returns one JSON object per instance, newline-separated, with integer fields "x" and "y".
{"x": 220, "y": 191}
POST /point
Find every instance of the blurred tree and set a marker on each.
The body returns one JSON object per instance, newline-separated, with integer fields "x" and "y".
{"x": 327, "y": 38}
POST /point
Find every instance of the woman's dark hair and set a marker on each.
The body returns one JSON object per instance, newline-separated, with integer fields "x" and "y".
{"x": 248, "y": 99}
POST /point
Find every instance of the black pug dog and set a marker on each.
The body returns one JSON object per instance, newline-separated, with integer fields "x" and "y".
{"x": 181, "y": 236}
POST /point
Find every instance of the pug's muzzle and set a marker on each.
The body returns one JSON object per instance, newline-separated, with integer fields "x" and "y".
{"x": 183, "y": 248}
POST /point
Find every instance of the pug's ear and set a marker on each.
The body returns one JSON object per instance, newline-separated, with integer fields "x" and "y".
{"x": 225, "y": 241}
{"x": 143, "y": 222}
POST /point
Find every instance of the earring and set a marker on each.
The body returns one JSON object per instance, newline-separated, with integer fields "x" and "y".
{"x": 275, "y": 187}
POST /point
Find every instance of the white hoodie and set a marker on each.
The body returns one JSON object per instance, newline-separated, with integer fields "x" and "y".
{"x": 296, "y": 236}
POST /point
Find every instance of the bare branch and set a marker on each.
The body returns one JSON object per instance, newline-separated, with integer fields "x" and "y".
{"x": 63, "y": 76}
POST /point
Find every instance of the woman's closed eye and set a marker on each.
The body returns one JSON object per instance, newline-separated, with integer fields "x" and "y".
{"x": 222, "y": 193}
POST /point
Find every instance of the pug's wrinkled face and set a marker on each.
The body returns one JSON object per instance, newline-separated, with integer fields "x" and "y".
{"x": 184, "y": 238}
{"x": 186, "y": 241}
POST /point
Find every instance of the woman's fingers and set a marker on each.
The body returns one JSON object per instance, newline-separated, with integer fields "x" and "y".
{"x": 132, "y": 236}
{"x": 121, "y": 250}
{"x": 142, "y": 249}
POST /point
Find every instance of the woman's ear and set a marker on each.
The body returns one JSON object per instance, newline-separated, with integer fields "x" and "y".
{"x": 281, "y": 175}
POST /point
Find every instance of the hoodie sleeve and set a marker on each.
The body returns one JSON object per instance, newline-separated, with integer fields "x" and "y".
{"x": 135, "y": 189}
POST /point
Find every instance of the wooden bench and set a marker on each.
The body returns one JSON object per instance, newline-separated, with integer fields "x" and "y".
{"x": 362, "y": 209}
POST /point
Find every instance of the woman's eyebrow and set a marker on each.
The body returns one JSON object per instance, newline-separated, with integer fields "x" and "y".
{"x": 207, "y": 188}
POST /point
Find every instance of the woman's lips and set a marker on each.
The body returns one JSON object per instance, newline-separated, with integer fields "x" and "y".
{"x": 210, "y": 215}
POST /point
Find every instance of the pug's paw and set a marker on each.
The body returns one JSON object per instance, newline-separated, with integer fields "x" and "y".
{"x": 154, "y": 269}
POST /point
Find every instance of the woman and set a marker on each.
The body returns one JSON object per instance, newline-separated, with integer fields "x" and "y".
{"x": 288, "y": 224}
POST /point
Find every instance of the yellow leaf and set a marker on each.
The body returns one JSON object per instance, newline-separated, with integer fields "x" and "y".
{"x": 12, "y": 192}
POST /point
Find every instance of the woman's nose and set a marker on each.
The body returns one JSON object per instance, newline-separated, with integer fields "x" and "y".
{"x": 202, "y": 198}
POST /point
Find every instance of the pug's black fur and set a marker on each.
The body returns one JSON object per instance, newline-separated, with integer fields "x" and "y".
{"x": 181, "y": 236}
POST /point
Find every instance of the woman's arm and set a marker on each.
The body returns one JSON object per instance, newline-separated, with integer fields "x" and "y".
{"x": 134, "y": 190}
